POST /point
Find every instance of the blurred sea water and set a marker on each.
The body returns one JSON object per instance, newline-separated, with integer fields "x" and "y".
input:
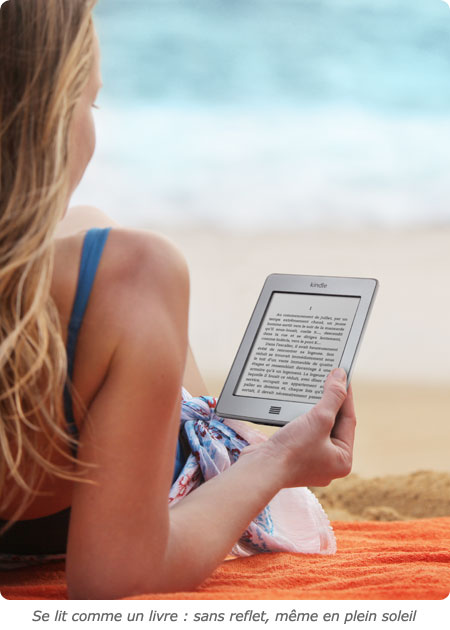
{"x": 259, "y": 114}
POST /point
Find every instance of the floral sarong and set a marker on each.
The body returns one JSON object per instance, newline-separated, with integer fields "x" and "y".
{"x": 293, "y": 521}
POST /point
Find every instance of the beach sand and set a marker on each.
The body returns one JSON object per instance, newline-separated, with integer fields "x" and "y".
{"x": 401, "y": 380}
{"x": 423, "y": 494}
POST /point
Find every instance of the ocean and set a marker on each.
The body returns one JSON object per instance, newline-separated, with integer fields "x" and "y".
{"x": 273, "y": 114}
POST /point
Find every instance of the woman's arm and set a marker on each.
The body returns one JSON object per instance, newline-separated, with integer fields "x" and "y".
{"x": 123, "y": 538}
{"x": 120, "y": 521}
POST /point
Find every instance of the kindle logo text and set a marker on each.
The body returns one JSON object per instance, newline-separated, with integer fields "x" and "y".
{"x": 316, "y": 285}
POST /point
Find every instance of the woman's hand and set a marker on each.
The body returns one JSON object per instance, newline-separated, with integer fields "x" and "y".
{"x": 316, "y": 447}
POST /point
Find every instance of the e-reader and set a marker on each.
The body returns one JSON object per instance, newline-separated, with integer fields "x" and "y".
{"x": 302, "y": 327}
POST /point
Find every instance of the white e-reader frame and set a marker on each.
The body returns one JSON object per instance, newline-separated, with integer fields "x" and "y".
{"x": 284, "y": 357}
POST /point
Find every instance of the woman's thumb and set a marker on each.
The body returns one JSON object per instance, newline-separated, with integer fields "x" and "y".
{"x": 334, "y": 391}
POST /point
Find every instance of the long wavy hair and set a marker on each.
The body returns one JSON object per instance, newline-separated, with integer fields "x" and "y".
{"x": 46, "y": 55}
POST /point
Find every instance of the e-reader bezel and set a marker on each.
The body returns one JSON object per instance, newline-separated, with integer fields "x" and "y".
{"x": 275, "y": 411}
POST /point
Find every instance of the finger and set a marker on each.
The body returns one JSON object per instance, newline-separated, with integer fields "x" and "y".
{"x": 344, "y": 427}
{"x": 334, "y": 393}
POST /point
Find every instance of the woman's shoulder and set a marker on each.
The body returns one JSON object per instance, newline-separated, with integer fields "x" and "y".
{"x": 133, "y": 252}
{"x": 133, "y": 260}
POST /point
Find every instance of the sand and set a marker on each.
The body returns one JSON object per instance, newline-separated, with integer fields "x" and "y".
{"x": 423, "y": 494}
{"x": 402, "y": 378}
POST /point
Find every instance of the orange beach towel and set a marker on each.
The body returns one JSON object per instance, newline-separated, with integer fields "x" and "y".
{"x": 395, "y": 560}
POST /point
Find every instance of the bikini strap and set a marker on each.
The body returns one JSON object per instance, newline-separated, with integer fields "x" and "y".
{"x": 94, "y": 242}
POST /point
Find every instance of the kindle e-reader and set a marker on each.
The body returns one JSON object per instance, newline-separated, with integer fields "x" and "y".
{"x": 302, "y": 327}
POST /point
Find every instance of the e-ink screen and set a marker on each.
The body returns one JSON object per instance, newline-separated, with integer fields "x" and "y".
{"x": 302, "y": 337}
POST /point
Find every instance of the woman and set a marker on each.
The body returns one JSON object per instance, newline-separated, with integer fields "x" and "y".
{"x": 94, "y": 462}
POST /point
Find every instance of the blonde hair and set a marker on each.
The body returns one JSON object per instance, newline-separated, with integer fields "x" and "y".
{"x": 46, "y": 54}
